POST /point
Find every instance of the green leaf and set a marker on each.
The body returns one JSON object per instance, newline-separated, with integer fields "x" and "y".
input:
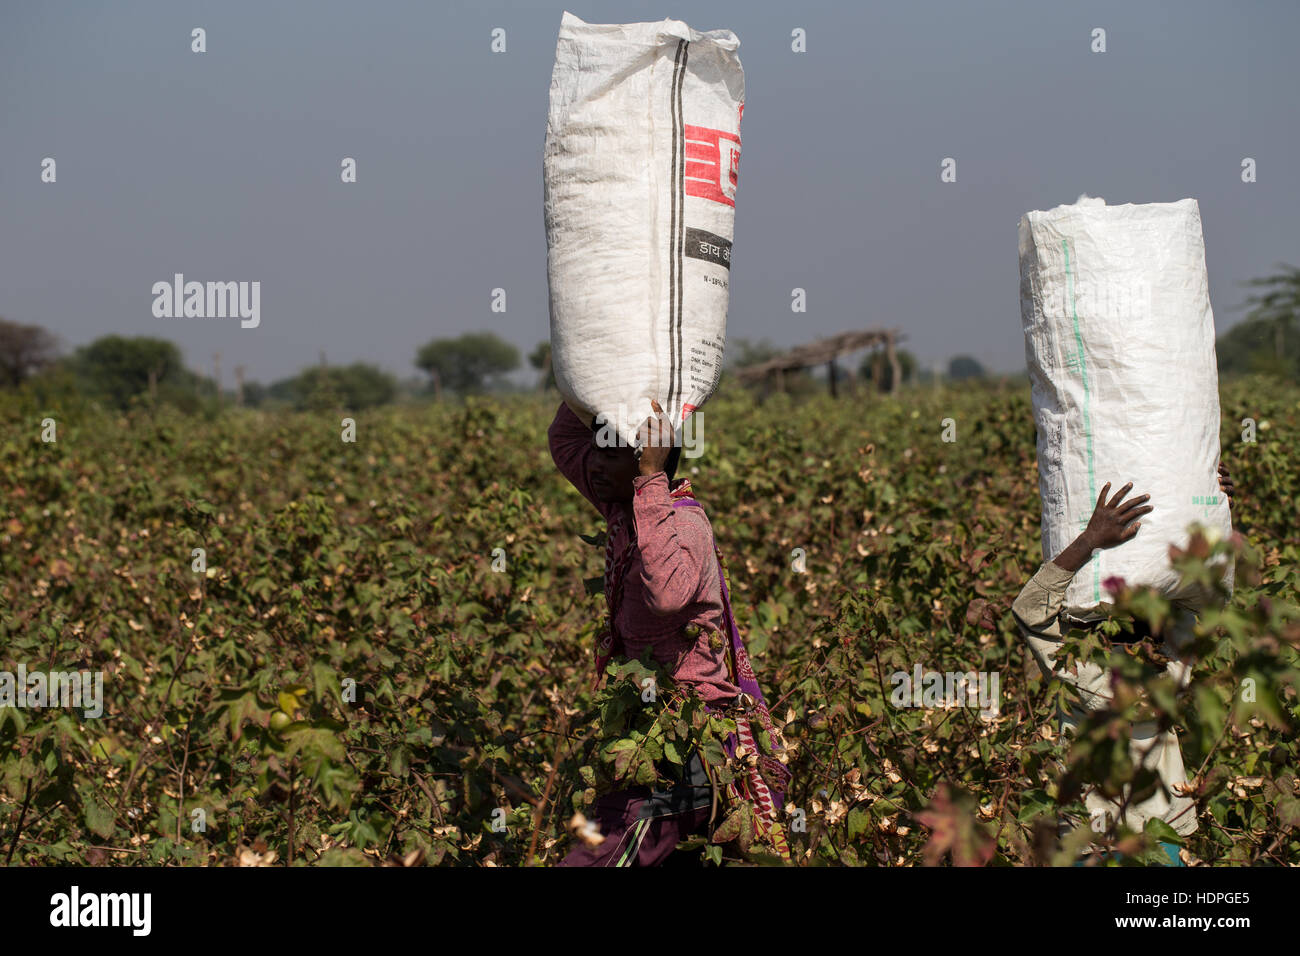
{"x": 99, "y": 816}
{"x": 1160, "y": 830}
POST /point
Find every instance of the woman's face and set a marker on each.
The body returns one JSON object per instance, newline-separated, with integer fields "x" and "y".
{"x": 611, "y": 471}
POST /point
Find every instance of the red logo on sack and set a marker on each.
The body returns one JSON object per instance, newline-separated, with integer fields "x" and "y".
{"x": 712, "y": 164}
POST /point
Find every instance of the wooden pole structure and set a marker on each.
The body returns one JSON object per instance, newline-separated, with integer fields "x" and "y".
{"x": 827, "y": 350}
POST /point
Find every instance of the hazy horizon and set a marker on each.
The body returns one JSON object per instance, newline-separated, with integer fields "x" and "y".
{"x": 225, "y": 165}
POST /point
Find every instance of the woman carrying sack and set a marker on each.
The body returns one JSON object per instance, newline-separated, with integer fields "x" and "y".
{"x": 667, "y": 593}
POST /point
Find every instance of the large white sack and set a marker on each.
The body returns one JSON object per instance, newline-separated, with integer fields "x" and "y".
{"x": 640, "y": 167}
{"x": 1119, "y": 340}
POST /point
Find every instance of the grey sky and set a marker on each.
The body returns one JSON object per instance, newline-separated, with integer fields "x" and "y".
{"x": 225, "y": 165}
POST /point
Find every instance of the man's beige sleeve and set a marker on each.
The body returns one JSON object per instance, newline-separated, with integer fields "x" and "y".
{"x": 1038, "y": 608}
{"x": 1037, "y": 611}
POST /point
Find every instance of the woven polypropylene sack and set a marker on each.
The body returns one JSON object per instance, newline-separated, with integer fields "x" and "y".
{"x": 1119, "y": 340}
{"x": 639, "y": 175}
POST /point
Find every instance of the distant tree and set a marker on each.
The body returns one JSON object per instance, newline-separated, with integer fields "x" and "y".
{"x": 963, "y": 366}
{"x": 1268, "y": 339}
{"x": 351, "y": 387}
{"x": 365, "y": 386}
{"x": 283, "y": 390}
{"x": 24, "y": 350}
{"x": 742, "y": 353}
{"x": 117, "y": 369}
{"x": 412, "y": 389}
{"x": 255, "y": 393}
{"x": 874, "y": 362}
{"x": 468, "y": 363}
{"x": 540, "y": 359}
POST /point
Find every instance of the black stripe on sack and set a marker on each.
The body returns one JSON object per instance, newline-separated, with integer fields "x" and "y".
{"x": 672, "y": 197}
{"x": 672, "y": 226}
{"x": 680, "y": 182}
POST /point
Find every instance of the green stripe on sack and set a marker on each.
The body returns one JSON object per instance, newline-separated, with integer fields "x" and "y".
{"x": 1087, "y": 411}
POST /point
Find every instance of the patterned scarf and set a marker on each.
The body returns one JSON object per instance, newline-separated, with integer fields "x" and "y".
{"x": 764, "y": 781}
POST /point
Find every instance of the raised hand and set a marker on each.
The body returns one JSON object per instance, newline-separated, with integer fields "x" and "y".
{"x": 1116, "y": 521}
{"x": 1113, "y": 522}
{"x": 655, "y": 440}
{"x": 1225, "y": 481}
